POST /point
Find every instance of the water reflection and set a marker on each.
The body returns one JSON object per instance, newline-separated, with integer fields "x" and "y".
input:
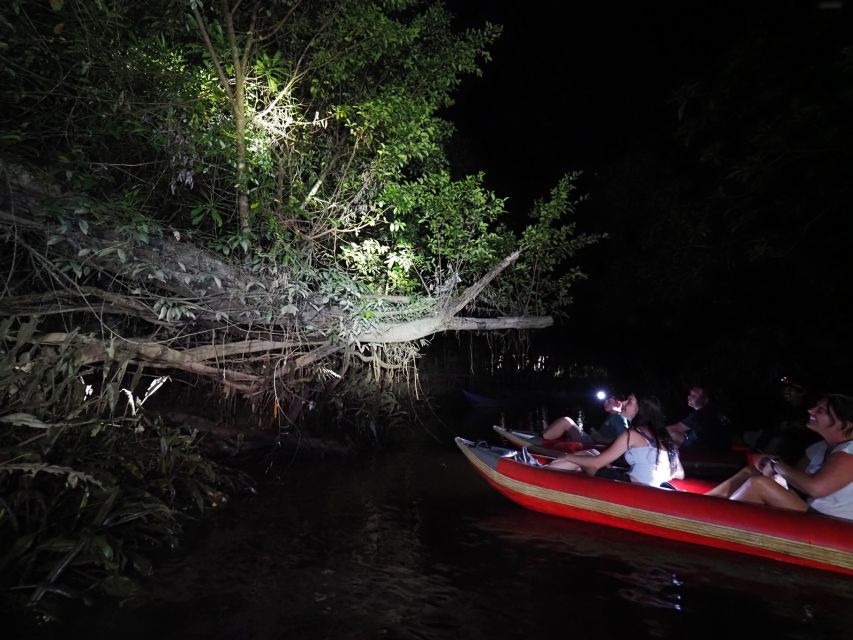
{"x": 673, "y": 588}
{"x": 414, "y": 545}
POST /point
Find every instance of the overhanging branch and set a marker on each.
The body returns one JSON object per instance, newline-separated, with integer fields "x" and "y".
{"x": 457, "y": 304}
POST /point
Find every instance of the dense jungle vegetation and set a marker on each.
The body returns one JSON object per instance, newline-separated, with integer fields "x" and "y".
{"x": 248, "y": 207}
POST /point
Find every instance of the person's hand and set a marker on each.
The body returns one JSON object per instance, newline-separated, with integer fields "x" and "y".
{"x": 766, "y": 465}
{"x": 680, "y": 434}
{"x": 612, "y": 405}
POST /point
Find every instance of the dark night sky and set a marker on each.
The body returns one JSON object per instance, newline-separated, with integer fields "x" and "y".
{"x": 589, "y": 86}
{"x": 568, "y": 86}
{"x": 574, "y": 84}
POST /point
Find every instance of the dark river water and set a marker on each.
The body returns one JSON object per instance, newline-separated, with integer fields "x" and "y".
{"x": 413, "y": 544}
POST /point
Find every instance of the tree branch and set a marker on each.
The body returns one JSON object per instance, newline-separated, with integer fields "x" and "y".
{"x": 205, "y": 35}
{"x": 456, "y": 305}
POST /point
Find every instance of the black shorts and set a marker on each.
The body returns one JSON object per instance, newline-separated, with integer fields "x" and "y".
{"x": 612, "y": 473}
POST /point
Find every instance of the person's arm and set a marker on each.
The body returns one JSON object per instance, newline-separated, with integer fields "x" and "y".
{"x": 678, "y": 432}
{"x": 834, "y": 475}
{"x": 591, "y": 464}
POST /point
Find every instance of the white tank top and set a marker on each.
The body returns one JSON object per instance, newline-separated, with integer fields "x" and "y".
{"x": 840, "y": 503}
{"x": 649, "y": 465}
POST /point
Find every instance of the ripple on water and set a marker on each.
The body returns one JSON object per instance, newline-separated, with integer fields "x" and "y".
{"x": 413, "y": 545}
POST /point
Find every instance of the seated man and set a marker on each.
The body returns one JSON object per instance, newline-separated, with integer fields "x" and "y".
{"x": 706, "y": 427}
{"x": 613, "y": 426}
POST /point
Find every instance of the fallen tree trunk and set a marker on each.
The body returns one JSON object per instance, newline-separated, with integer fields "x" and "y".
{"x": 197, "y": 360}
{"x": 296, "y": 340}
{"x": 205, "y": 315}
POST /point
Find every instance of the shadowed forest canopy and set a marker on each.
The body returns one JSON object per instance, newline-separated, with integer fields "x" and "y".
{"x": 740, "y": 205}
{"x": 253, "y": 193}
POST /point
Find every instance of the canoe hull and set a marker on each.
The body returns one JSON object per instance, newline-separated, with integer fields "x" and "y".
{"x": 804, "y": 539}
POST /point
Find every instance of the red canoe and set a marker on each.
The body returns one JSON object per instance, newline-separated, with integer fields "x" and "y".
{"x": 812, "y": 540}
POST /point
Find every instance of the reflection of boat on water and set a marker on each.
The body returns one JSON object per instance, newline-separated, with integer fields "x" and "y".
{"x": 695, "y": 461}
{"x": 789, "y": 536}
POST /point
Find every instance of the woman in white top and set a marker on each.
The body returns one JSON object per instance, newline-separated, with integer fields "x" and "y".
{"x": 826, "y": 474}
{"x": 647, "y": 446}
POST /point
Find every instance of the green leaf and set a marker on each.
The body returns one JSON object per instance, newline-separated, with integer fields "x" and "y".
{"x": 120, "y": 587}
{"x": 21, "y": 545}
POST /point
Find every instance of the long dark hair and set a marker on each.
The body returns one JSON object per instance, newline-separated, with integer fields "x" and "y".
{"x": 650, "y": 415}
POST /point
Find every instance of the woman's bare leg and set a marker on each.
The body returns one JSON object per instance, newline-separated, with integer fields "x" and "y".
{"x": 560, "y": 427}
{"x": 563, "y": 465}
{"x": 727, "y": 487}
{"x": 566, "y": 464}
{"x": 763, "y": 490}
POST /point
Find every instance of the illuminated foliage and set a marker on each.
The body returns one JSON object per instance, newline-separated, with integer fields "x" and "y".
{"x": 336, "y": 144}
{"x": 252, "y": 194}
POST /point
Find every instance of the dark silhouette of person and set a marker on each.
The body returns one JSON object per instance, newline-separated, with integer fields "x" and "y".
{"x": 706, "y": 427}
{"x": 790, "y": 436}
